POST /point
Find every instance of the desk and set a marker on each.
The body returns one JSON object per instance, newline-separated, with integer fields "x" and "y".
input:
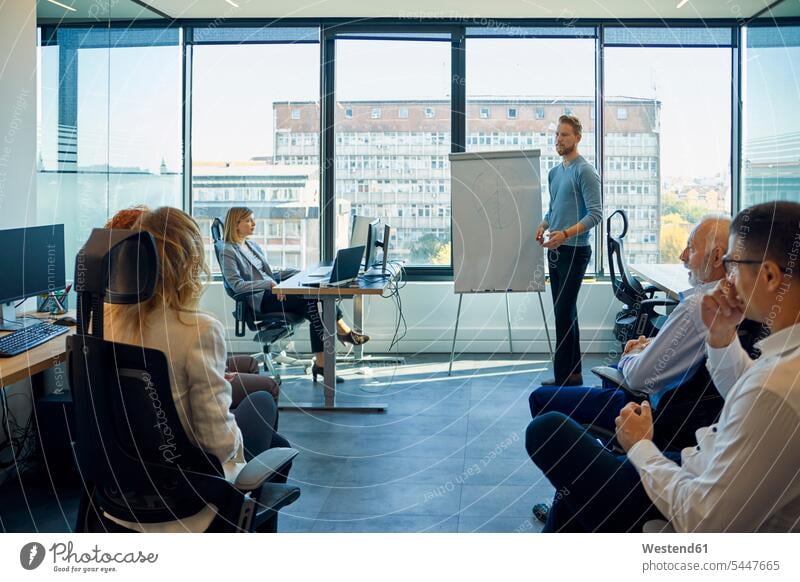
{"x": 671, "y": 279}
{"x": 371, "y": 285}
{"x": 33, "y": 361}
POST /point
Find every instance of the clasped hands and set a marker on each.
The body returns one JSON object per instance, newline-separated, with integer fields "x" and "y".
{"x": 634, "y": 424}
{"x": 555, "y": 240}
{"x": 635, "y": 346}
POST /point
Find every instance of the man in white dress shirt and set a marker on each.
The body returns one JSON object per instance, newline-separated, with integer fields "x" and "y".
{"x": 744, "y": 473}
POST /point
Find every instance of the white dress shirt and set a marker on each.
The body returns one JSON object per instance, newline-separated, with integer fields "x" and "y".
{"x": 744, "y": 474}
{"x": 675, "y": 354}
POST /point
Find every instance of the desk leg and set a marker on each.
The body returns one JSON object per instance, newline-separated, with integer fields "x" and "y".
{"x": 358, "y": 323}
{"x": 329, "y": 322}
{"x": 329, "y": 358}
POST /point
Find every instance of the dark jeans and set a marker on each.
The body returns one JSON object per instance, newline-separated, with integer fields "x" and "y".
{"x": 595, "y": 489}
{"x": 567, "y": 267}
{"x": 679, "y": 414}
{"x": 306, "y": 308}
{"x": 583, "y": 404}
{"x": 256, "y": 416}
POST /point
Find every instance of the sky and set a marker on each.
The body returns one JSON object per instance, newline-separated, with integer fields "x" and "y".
{"x": 234, "y": 88}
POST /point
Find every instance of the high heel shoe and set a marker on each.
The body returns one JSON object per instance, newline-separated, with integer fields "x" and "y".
{"x": 321, "y": 371}
{"x": 357, "y": 339}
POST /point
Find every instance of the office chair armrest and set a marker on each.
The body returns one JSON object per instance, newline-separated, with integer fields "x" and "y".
{"x": 610, "y": 376}
{"x": 648, "y": 305}
{"x": 274, "y": 496}
{"x": 613, "y": 378}
{"x": 657, "y": 526}
{"x": 240, "y": 314}
{"x": 264, "y": 466}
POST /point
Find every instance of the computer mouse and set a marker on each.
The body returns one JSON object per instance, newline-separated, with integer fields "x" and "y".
{"x": 66, "y": 320}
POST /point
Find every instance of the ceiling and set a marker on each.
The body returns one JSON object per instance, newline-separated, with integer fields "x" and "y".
{"x": 88, "y": 10}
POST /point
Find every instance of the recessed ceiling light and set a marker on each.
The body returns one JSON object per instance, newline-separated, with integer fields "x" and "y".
{"x": 681, "y": 3}
{"x": 232, "y": 3}
{"x": 64, "y": 6}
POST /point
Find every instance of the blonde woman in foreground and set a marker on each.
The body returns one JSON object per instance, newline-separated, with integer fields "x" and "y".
{"x": 194, "y": 344}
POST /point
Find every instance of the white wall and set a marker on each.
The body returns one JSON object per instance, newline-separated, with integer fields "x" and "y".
{"x": 430, "y": 311}
{"x": 17, "y": 113}
{"x": 17, "y": 145}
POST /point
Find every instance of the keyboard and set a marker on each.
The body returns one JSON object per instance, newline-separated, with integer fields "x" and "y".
{"x": 24, "y": 339}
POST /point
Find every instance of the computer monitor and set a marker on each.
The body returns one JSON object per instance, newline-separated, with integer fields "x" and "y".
{"x": 373, "y": 240}
{"x": 387, "y": 233}
{"x": 32, "y": 263}
{"x": 359, "y": 230}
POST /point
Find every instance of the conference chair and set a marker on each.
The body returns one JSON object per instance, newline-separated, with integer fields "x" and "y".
{"x": 269, "y": 328}
{"x": 639, "y": 316}
{"x": 135, "y": 459}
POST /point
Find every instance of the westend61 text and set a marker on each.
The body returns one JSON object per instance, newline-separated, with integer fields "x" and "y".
{"x": 675, "y": 549}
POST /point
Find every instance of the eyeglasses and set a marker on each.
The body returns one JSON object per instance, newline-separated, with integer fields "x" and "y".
{"x": 730, "y": 264}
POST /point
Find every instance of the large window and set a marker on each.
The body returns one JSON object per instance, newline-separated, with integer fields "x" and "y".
{"x": 667, "y": 134}
{"x": 109, "y": 125}
{"x": 255, "y": 136}
{"x": 771, "y": 126}
{"x": 517, "y": 88}
{"x": 392, "y": 149}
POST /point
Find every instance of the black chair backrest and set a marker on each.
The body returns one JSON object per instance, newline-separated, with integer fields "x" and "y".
{"x": 626, "y": 288}
{"x": 129, "y": 442}
{"x": 243, "y": 313}
{"x": 217, "y": 228}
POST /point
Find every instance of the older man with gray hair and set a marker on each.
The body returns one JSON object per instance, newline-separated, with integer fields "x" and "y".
{"x": 668, "y": 368}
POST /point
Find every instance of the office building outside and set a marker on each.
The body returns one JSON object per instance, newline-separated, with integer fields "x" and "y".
{"x": 391, "y": 160}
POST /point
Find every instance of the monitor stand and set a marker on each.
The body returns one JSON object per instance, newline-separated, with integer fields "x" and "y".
{"x": 10, "y": 322}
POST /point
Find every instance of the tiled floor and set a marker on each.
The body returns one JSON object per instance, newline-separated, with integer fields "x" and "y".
{"x": 447, "y": 456}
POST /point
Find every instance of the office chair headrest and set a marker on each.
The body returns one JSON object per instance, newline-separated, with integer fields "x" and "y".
{"x": 121, "y": 266}
{"x": 624, "y": 223}
{"x": 217, "y": 228}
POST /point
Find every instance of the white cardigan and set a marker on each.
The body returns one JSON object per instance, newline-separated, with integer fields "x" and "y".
{"x": 194, "y": 344}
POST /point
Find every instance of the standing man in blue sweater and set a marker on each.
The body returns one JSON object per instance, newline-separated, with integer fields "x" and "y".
{"x": 575, "y": 208}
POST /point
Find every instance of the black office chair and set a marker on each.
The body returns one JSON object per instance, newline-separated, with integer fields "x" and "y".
{"x": 269, "y": 328}
{"x": 135, "y": 460}
{"x": 639, "y": 316}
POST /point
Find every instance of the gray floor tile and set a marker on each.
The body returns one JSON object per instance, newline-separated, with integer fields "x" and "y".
{"x": 392, "y": 470}
{"x": 499, "y": 501}
{"x": 499, "y": 525}
{"x": 406, "y": 498}
{"x": 344, "y": 522}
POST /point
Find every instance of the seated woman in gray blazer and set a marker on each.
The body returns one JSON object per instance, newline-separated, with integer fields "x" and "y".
{"x": 246, "y": 270}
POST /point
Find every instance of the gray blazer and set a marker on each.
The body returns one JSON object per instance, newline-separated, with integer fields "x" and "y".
{"x": 242, "y": 276}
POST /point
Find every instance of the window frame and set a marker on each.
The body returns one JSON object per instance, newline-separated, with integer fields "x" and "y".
{"x": 457, "y": 28}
